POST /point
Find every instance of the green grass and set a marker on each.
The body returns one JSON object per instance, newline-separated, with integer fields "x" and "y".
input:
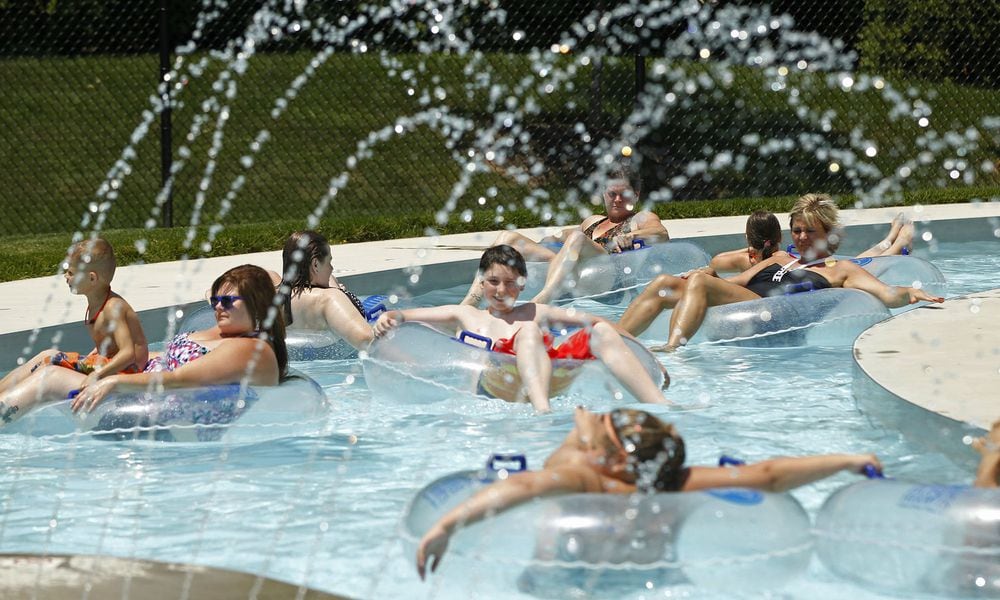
{"x": 67, "y": 120}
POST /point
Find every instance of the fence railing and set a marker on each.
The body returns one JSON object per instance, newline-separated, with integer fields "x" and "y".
{"x": 284, "y": 110}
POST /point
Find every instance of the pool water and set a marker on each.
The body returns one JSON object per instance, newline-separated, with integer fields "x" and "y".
{"x": 322, "y": 510}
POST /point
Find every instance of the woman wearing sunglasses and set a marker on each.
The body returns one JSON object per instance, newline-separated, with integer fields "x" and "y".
{"x": 316, "y": 300}
{"x": 247, "y": 344}
{"x": 624, "y": 452}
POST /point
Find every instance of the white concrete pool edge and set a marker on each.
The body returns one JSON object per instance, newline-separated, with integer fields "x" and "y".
{"x": 942, "y": 358}
{"x": 408, "y": 264}
{"x": 45, "y": 301}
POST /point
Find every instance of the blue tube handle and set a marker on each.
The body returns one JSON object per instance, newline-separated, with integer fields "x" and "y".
{"x": 519, "y": 460}
{"x": 871, "y": 472}
{"x": 464, "y": 336}
{"x": 375, "y": 312}
{"x": 72, "y": 394}
{"x": 638, "y": 244}
{"x": 726, "y": 460}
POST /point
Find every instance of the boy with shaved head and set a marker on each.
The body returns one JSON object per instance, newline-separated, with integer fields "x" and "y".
{"x": 120, "y": 345}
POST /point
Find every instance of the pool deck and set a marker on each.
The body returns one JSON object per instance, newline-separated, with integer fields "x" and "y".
{"x": 944, "y": 358}
{"x": 954, "y": 345}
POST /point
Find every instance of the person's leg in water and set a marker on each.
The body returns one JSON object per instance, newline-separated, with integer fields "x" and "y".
{"x": 530, "y": 249}
{"x": 702, "y": 291}
{"x": 533, "y": 365}
{"x": 661, "y": 294}
{"x": 577, "y": 247}
{"x": 988, "y": 473}
{"x": 49, "y": 383}
{"x": 609, "y": 347}
{"x": 22, "y": 372}
{"x": 898, "y": 240}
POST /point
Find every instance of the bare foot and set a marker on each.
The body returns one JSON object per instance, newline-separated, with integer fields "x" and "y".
{"x": 662, "y": 348}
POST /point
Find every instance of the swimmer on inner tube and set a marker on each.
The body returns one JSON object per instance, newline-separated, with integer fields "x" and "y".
{"x": 596, "y": 235}
{"x": 812, "y": 220}
{"x": 521, "y": 331}
{"x": 623, "y": 452}
{"x": 247, "y": 344}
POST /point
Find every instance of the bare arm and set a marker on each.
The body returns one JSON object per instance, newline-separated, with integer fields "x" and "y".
{"x": 501, "y": 496}
{"x": 121, "y": 333}
{"x": 645, "y": 226}
{"x": 648, "y": 226}
{"x": 779, "y": 474}
{"x": 451, "y": 316}
{"x": 732, "y": 260}
{"x": 342, "y": 318}
{"x": 229, "y": 362}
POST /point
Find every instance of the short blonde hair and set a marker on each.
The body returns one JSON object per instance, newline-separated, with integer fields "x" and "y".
{"x": 818, "y": 209}
{"x": 95, "y": 255}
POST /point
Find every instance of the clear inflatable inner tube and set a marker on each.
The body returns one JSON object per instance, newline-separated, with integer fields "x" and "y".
{"x": 911, "y": 539}
{"x": 830, "y": 317}
{"x": 415, "y": 363}
{"x": 298, "y": 406}
{"x": 302, "y": 344}
{"x": 617, "y": 278}
{"x": 585, "y": 545}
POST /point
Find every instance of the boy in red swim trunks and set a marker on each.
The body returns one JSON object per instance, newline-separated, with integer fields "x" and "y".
{"x": 521, "y": 331}
{"x": 120, "y": 344}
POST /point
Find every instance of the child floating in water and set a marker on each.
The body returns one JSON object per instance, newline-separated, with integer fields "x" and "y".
{"x": 521, "y": 331}
{"x": 120, "y": 344}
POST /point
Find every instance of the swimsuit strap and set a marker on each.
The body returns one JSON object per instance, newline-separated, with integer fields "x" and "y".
{"x": 786, "y": 268}
{"x": 589, "y": 232}
{"x": 354, "y": 299}
{"x": 86, "y": 316}
{"x": 780, "y": 273}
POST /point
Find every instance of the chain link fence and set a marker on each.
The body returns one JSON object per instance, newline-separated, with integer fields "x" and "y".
{"x": 286, "y": 110}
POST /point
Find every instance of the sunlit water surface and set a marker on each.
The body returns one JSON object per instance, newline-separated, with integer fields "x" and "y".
{"x": 323, "y": 510}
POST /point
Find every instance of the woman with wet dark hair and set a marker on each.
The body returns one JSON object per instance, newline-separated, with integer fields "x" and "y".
{"x": 623, "y": 452}
{"x": 316, "y": 300}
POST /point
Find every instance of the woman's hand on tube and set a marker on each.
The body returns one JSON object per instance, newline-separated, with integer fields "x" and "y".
{"x": 91, "y": 396}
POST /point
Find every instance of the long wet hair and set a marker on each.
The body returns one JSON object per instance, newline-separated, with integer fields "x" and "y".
{"x": 818, "y": 209}
{"x": 764, "y": 233}
{"x": 257, "y": 290}
{"x": 301, "y": 248}
{"x": 655, "y": 450}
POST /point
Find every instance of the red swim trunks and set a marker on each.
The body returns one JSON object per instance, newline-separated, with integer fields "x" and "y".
{"x": 84, "y": 364}
{"x": 575, "y": 346}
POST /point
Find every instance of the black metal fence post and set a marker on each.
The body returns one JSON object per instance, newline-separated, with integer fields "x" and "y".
{"x": 166, "y": 142}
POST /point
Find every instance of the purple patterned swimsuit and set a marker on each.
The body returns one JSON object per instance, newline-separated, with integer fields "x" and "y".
{"x": 180, "y": 351}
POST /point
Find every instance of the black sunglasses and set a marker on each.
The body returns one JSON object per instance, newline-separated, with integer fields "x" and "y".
{"x": 227, "y": 302}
